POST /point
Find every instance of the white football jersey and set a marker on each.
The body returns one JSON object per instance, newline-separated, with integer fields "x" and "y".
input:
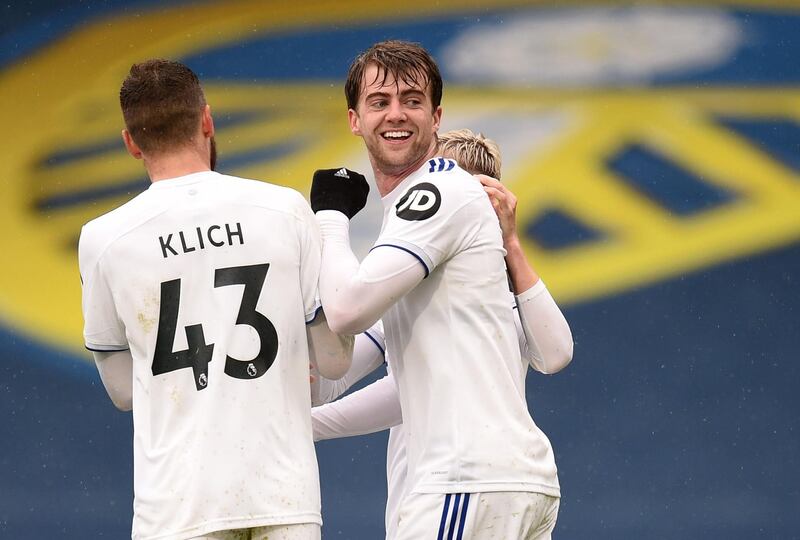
{"x": 396, "y": 470}
{"x": 209, "y": 280}
{"x": 453, "y": 345}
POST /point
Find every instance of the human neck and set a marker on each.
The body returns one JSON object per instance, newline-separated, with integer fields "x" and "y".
{"x": 175, "y": 163}
{"x": 387, "y": 181}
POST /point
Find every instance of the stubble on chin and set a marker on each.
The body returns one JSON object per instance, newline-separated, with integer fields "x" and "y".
{"x": 395, "y": 163}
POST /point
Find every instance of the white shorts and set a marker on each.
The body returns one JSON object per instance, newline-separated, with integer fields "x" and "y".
{"x": 502, "y": 515}
{"x": 301, "y": 531}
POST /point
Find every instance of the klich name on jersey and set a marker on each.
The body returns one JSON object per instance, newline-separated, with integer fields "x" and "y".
{"x": 186, "y": 242}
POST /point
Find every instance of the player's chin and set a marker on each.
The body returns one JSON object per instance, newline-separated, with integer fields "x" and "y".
{"x": 407, "y": 147}
{"x": 396, "y": 159}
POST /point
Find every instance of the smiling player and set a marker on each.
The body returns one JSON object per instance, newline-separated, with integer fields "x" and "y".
{"x": 436, "y": 276}
{"x": 543, "y": 334}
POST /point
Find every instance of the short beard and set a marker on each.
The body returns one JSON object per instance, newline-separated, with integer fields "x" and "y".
{"x": 384, "y": 163}
{"x": 213, "y": 154}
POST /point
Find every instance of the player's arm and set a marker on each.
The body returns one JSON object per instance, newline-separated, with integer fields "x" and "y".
{"x": 330, "y": 353}
{"x": 504, "y": 202}
{"x": 116, "y": 372}
{"x": 373, "y": 408}
{"x": 544, "y": 334}
{"x": 355, "y": 295}
{"x": 103, "y": 331}
{"x": 368, "y": 355}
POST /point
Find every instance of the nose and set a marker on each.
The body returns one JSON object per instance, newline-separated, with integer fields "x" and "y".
{"x": 396, "y": 113}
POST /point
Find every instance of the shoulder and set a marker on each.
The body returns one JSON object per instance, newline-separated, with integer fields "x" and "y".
{"x": 443, "y": 187}
{"x": 266, "y": 194}
{"x": 447, "y": 177}
{"x": 121, "y": 214}
{"x": 101, "y": 231}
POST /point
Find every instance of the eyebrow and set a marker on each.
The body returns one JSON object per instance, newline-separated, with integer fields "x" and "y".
{"x": 376, "y": 94}
{"x": 404, "y": 93}
{"x": 412, "y": 91}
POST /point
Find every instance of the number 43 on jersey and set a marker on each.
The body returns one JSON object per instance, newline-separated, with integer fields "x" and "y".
{"x": 199, "y": 353}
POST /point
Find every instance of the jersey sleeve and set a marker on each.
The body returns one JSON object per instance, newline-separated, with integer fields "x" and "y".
{"x": 310, "y": 259}
{"x": 371, "y": 409}
{"x": 103, "y": 330}
{"x": 544, "y": 334}
{"x": 356, "y": 295}
{"x": 433, "y": 218}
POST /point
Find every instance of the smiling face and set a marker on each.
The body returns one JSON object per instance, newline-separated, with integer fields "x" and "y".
{"x": 397, "y": 121}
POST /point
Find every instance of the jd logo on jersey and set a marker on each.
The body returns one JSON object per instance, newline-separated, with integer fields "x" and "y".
{"x": 420, "y": 202}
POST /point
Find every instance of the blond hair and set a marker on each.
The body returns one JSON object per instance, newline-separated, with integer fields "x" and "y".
{"x": 474, "y": 153}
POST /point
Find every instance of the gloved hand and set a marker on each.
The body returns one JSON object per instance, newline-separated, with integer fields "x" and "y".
{"x": 339, "y": 189}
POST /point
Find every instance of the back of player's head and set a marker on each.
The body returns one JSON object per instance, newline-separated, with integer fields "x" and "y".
{"x": 400, "y": 60}
{"x": 162, "y": 104}
{"x": 474, "y": 153}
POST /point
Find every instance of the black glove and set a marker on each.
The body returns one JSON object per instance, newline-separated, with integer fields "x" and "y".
{"x": 339, "y": 189}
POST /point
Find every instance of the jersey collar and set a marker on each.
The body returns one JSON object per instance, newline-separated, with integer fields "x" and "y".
{"x": 187, "y": 179}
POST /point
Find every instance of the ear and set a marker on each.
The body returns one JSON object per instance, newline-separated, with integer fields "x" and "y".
{"x": 437, "y": 118}
{"x": 355, "y": 122}
{"x": 208, "y": 122}
{"x": 132, "y": 147}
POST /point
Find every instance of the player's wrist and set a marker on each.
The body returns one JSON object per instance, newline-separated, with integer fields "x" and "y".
{"x": 511, "y": 242}
{"x": 331, "y": 215}
{"x": 531, "y": 292}
{"x": 333, "y": 225}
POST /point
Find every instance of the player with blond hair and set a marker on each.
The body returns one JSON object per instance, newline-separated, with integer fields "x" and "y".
{"x": 472, "y": 151}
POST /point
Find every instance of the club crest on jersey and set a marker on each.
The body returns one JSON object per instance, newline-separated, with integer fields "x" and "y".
{"x": 419, "y": 202}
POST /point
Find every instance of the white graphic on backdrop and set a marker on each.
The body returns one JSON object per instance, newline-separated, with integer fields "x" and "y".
{"x": 613, "y": 46}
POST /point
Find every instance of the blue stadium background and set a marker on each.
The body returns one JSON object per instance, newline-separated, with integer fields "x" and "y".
{"x": 677, "y": 418}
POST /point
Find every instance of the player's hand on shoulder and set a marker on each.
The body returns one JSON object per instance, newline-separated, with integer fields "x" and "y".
{"x": 339, "y": 189}
{"x": 504, "y": 203}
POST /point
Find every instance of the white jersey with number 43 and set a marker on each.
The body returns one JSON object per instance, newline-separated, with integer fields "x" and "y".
{"x": 453, "y": 344}
{"x": 209, "y": 280}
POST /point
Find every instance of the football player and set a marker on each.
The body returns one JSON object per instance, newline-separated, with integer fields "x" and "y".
{"x": 545, "y": 339}
{"x": 200, "y": 305}
{"x": 477, "y": 464}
